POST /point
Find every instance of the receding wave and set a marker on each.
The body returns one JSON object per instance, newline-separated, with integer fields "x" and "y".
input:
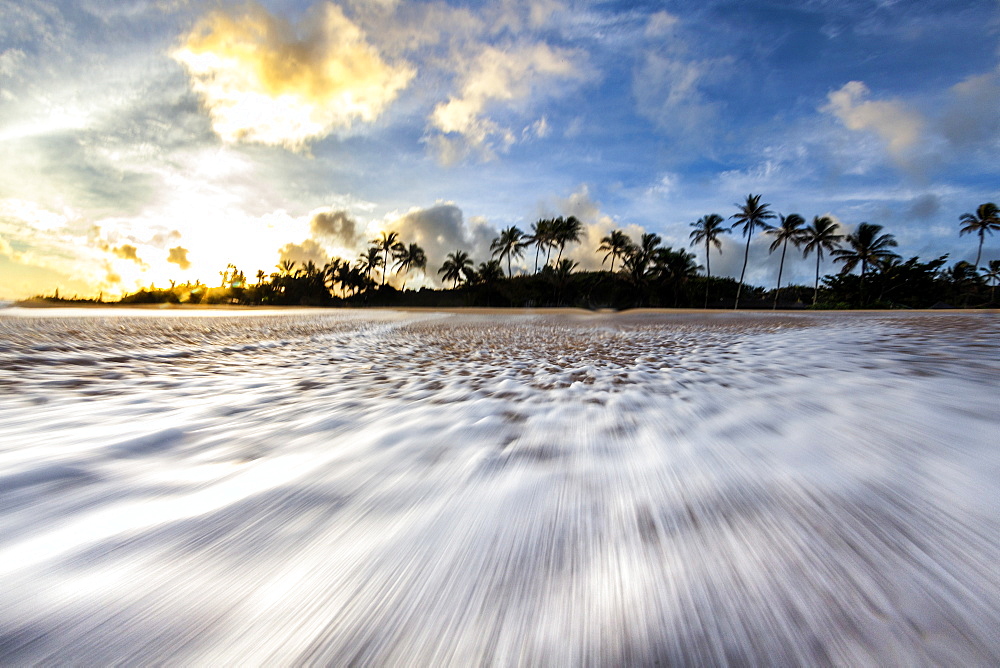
{"x": 388, "y": 488}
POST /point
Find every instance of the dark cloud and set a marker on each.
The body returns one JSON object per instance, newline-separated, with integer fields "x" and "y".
{"x": 337, "y": 227}
{"x": 442, "y": 229}
{"x": 127, "y": 252}
{"x": 304, "y": 252}
{"x": 179, "y": 256}
{"x": 924, "y": 206}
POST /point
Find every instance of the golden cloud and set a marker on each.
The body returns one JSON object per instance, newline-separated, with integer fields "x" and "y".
{"x": 264, "y": 81}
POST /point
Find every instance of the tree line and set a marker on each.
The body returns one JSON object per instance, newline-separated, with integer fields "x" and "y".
{"x": 639, "y": 272}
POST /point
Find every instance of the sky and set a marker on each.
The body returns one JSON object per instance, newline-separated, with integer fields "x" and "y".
{"x": 143, "y": 141}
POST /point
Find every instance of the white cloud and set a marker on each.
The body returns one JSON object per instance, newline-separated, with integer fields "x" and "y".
{"x": 508, "y": 77}
{"x": 264, "y": 81}
{"x": 899, "y": 127}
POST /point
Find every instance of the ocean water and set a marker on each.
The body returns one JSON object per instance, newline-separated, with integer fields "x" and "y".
{"x": 435, "y": 489}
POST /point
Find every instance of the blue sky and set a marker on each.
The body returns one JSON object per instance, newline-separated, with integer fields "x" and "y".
{"x": 161, "y": 139}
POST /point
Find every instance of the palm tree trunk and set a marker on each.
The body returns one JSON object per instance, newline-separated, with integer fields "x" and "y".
{"x": 508, "y": 266}
{"x": 612, "y": 264}
{"x": 816, "y": 285}
{"x": 781, "y": 267}
{"x": 746, "y": 257}
{"x": 708, "y": 268}
{"x": 537, "y": 248}
{"x": 864, "y": 270}
{"x": 979, "y": 253}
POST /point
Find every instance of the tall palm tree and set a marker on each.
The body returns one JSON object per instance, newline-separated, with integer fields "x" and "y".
{"x": 286, "y": 267}
{"x": 822, "y": 234}
{"x": 751, "y": 215}
{"x": 566, "y": 230}
{"x": 457, "y": 267}
{"x": 984, "y": 221}
{"x": 707, "y": 229}
{"x": 790, "y": 229}
{"x": 510, "y": 244}
{"x": 385, "y": 244}
{"x": 616, "y": 244}
{"x": 408, "y": 257}
{"x": 540, "y": 237}
{"x": 867, "y": 247}
{"x": 370, "y": 260}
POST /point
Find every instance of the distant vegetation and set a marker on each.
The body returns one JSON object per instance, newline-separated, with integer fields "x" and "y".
{"x": 639, "y": 272}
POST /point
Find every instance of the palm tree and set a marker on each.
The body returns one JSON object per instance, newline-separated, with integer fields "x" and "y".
{"x": 641, "y": 255}
{"x": 985, "y": 220}
{"x": 751, "y": 215}
{"x": 868, "y": 247}
{"x": 457, "y": 267}
{"x": 822, "y": 234}
{"x": 993, "y": 276}
{"x": 408, "y": 257}
{"x": 286, "y": 267}
{"x": 540, "y": 237}
{"x": 510, "y": 244}
{"x": 369, "y": 261}
{"x": 790, "y": 229}
{"x": 489, "y": 272}
{"x": 707, "y": 229}
{"x": 385, "y": 243}
{"x": 565, "y": 230}
{"x": 616, "y": 244}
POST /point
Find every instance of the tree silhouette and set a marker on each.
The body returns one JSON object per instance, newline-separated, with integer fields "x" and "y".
{"x": 992, "y": 276}
{"x": 822, "y": 234}
{"x": 867, "y": 247}
{"x": 615, "y": 245}
{"x": 510, "y": 244}
{"x": 457, "y": 267}
{"x": 640, "y": 256}
{"x": 409, "y": 257}
{"x": 541, "y": 237}
{"x": 707, "y": 229}
{"x": 565, "y": 230}
{"x": 385, "y": 244}
{"x": 790, "y": 229}
{"x": 369, "y": 261}
{"x": 751, "y": 215}
{"x": 984, "y": 221}
{"x": 489, "y": 273}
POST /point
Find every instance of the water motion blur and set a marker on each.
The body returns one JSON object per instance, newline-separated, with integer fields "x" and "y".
{"x": 426, "y": 488}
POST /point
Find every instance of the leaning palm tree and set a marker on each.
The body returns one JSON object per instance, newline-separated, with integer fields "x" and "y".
{"x": 407, "y": 258}
{"x": 616, "y": 244}
{"x": 385, "y": 244}
{"x": 751, "y": 215}
{"x": 790, "y": 229}
{"x": 457, "y": 267}
{"x": 867, "y": 247}
{"x": 822, "y": 234}
{"x": 984, "y": 221}
{"x": 565, "y": 230}
{"x": 510, "y": 244}
{"x": 707, "y": 229}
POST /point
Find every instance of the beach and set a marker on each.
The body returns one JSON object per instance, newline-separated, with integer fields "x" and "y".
{"x": 560, "y": 487}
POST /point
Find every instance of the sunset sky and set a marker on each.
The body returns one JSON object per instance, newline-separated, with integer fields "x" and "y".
{"x": 148, "y": 140}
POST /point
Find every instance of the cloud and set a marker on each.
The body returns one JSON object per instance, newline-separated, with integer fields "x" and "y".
{"x": 442, "y": 229}
{"x": 179, "y": 256}
{"x": 338, "y": 227}
{"x": 127, "y": 252}
{"x": 972, "y": 118}
{"x": 265, "y": 81}
{"x": 900, "y": 128}
{"x": 498, "y": 76}
{"x": 924, "y": 206}
{"x": 307, "y": 251}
